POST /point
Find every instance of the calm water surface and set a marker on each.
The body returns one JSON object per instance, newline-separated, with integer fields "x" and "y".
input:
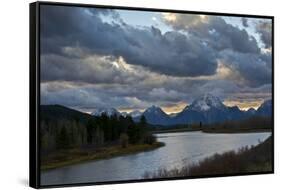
{"x": 181, "y": 149}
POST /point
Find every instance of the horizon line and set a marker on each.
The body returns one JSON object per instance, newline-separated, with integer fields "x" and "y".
{"x": 143, "y": 109}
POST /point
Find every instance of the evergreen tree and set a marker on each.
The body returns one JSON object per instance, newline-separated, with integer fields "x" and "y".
{"x": 63, "y": 139}
{"x": 90, "y": 130}
{"x": 143, "y": 122}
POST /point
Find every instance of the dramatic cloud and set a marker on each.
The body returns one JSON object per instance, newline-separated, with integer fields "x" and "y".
{"x": 91, "y": 69}
{"x": 234, "y": 46}
{"x": 93, "y": 58}
{"x": 215, "y": 32}
{"x": 171, "y": 53}
{"x": 252, "y": 67}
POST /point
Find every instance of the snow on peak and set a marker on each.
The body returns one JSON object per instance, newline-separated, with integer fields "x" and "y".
{"x": 154, "y": 109}
{"x": 135, "y": 113}
{"x": 107, "y": 111}
{"x": 206, "y": 102}
{"x": 124, "y": 114}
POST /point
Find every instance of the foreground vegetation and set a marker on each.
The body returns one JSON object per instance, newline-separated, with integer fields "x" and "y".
{"x": 69, "y": 136}
{"x": 245, "y": 160}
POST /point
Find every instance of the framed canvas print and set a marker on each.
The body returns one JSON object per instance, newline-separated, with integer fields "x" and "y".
{"x": 121, "y": 94}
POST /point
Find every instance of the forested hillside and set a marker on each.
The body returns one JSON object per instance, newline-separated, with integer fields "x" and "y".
{"x": 64, "y": 128}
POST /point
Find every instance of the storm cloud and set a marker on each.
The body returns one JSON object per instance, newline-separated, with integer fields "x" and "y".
{"x": 264, "y": 28}
{"x": 92, "y": 58}
{"x": 215, "y": 32}
{"x": 171, "y": 53}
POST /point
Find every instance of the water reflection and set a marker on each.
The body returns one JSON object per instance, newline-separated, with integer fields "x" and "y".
{"x": 181, "y": 149}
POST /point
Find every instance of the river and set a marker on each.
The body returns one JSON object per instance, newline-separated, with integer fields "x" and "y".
{"x": 180, "y": 149}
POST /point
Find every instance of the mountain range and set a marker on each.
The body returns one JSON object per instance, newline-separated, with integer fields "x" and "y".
{"x": 205, "y": 109}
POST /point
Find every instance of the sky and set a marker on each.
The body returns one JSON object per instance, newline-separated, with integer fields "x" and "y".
{"x": 101, "y": 58}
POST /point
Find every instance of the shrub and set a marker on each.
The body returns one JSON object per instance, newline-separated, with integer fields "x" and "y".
{"x": 149, "y": 139}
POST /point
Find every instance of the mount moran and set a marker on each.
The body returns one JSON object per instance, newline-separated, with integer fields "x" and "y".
{"x": 206, "y": 109}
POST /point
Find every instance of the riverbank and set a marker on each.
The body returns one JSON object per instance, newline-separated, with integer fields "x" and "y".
{"x": 214, "y": 130}
{"x": 245, "y": 160}
{"x": 175, "y": 130}
{"x": 236, "y": 130}
{"x": 249, "y": 125}
{"x": 75, "y": 156}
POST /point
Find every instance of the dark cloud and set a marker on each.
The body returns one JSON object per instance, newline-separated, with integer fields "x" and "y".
{"x": 252, "y": 67}
{"x": 267, "y": 58}
{"x": 89, "y": 63}
{"x": 87, "y": 98}
{"x": 264, "y": 29}
{"x": 214, "y": 31}
{"x": 233, "y": 45}
{"x": 142, "y": 96}
{"x": 92, "y": 97}
{"x": 245, "y": 22}
{"x": 91, "y": 69}
{"x": 172, "y": 53}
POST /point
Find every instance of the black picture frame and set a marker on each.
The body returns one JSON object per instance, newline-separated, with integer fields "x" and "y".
{"x": 34, "y": 93}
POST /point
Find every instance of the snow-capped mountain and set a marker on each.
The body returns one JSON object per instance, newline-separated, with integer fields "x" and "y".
{"x": 155, "y": 115}
{"x": 206, "y": 102}
{"x": 154, "y": 110}
{"x": 205, "y": 109}
{"x": 124, "y": 114}
{"x": 107, "y": 111}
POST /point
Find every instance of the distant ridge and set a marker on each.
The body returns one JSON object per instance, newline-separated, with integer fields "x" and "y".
{"x": 51, "y": 112}
{"x": 206, "y": 109}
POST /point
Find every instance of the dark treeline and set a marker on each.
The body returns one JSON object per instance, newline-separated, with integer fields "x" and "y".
{"x": 70, "y": 130}
{"x": 252, "y": 123}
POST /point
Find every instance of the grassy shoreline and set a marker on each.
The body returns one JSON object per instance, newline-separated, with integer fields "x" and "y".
{"x": 236, "y": 130}
{"x": 246, "y": 160}
{"x": 175, "y": 130}
{"x": 75, "y": 156}
{"x": 213, "y": 130}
